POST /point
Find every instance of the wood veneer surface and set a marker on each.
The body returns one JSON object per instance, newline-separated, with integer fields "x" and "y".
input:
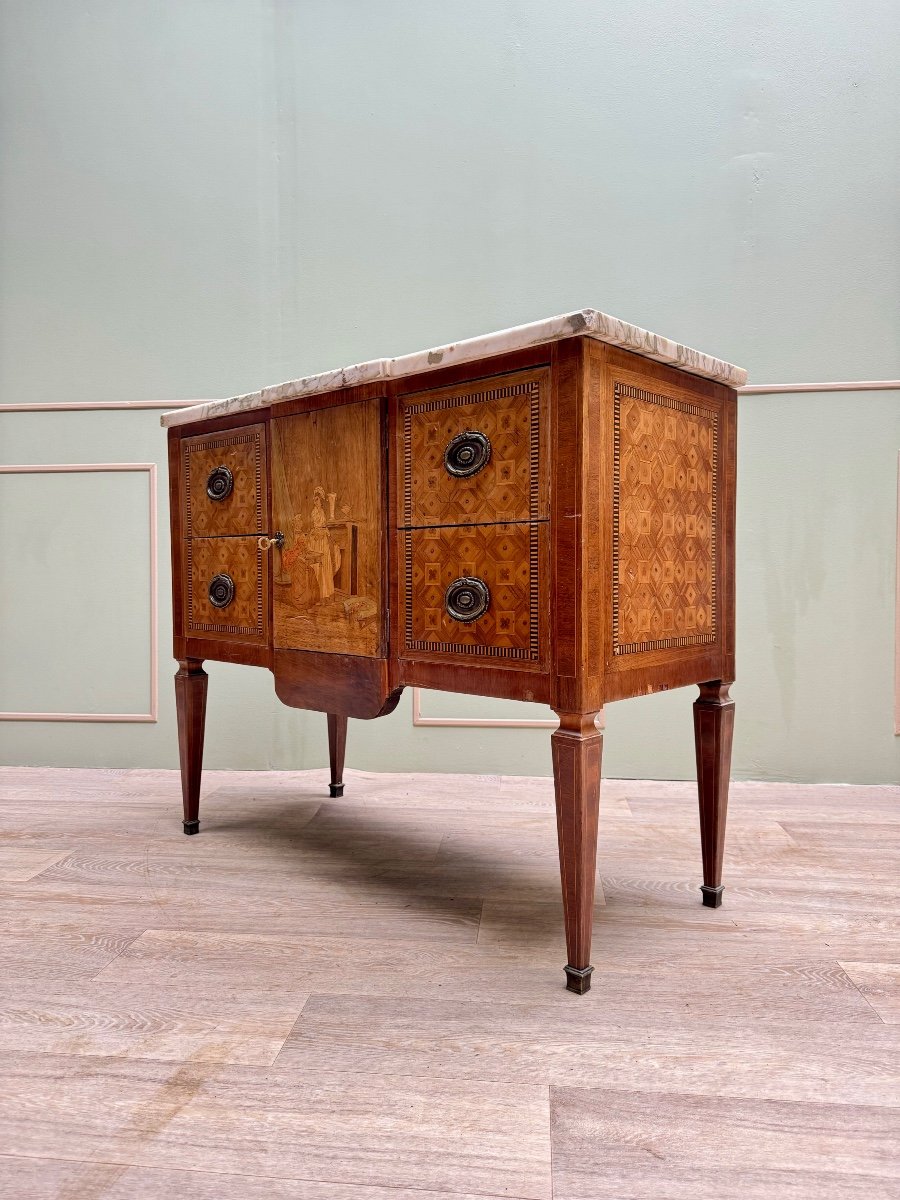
{"x": 353, "y": 998}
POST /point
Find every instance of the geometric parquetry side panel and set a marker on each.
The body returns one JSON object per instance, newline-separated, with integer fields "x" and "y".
{"x": 508, "y": 488}
{"x": 242, "y": 452}
{"x": 507, "y": 558}
{"x": 664, "y": 521}
{"x": 241, "y": 559}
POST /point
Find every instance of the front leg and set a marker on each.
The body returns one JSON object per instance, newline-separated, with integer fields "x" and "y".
{"x": 713, "y": 729}
{"x": 190, "y": 701}
{"x": 337, "y": 744}
{"x": 577, "y": 747}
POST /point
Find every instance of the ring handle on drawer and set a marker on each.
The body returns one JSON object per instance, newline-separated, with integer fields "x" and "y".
{"x": 266, "y": 543}
{"x": 467, "y": 598}
{"x": 220, "y": 483}
{"x": 221, "y": 591}
{"x": 467, "y": 454}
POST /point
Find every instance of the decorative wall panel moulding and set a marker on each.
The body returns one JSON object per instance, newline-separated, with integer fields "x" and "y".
{"x": 897, "y": 617}
{"x": 483, "y": 722}
{"x": 97, "y": 405}
{"x": 850, "y": 385}
{"x": 474, "y": 722}
{"x": 752, "y": 389}
{"x": 150, "y": 470}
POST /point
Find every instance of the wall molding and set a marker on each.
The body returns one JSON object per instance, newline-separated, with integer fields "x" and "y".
{"x": 897, "y": 617}
{"x": 473, "y": 722}
{"x": 750, "y": 389}
{"x": 150, "y": 469}
{"x": 852, "y": 385}
{"x": 98, "y": 405}
{"x": 483, "y": 722}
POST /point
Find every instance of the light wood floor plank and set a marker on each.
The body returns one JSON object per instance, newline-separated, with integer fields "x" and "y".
{"x": 89, "y": 1019}
{"x": 213, "y": 964}
{"x": 617, "y": 1047}
{"x": 636, "y": 1141}
{"x": 290, "y": 912}
{"x": 50, "y": 1179}
{"x": 435, "y": 1135}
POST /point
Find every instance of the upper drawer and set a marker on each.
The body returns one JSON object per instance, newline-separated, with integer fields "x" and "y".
{"x": 224, "y": 482}
{"x": 475, "y": 453}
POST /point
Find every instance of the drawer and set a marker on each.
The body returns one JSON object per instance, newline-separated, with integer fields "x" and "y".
{"x": 224, "y": 483}
{"x": 475, "y": 591}
{"x": 475, "y": 453}
{"x": 227, "y": 589}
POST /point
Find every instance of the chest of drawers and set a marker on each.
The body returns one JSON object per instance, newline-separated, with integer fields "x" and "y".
{"x": 543, "y": 514}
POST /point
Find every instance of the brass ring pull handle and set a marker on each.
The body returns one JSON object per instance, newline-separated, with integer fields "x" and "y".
{"x": 220, "y": 483}
{"x": 467, "y": 598}
{"x": 221, "y": 591}
{"x": 467, "y": 454}
{"x": 266, "y": 543}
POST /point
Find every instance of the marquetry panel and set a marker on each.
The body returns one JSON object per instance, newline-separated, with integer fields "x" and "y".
{"x": 245, "y": 618}
{"x": 664, "y": 521}
{"x": 509, "y": 410}
{"x": 327, "y": 500}
{"x": 242, "y": 453}
{"x": 512, "y": 562}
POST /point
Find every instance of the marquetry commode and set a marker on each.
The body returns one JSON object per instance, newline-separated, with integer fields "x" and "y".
{"x": 545, "y": 513}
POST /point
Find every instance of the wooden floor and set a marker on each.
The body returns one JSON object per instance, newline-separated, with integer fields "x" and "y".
{"x": 363, "y": 999}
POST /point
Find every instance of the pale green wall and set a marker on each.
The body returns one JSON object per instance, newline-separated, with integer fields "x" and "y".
{"x": 198, "y": 198}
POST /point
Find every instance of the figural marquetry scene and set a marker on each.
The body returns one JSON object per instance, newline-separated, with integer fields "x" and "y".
{"x": 542, "y": 514}
{"x": 326, "y": 498}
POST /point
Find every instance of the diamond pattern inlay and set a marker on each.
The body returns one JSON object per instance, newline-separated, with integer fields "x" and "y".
{"x": 241, "y": 559}
{"x": 664, "y": 521}
{"x": 506, "y": 557}
{"x": 242, "y": 452}
{"x": 508, "y": 488}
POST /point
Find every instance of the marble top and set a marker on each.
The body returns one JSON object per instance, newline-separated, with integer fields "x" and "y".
{"x": 587, "y": 322}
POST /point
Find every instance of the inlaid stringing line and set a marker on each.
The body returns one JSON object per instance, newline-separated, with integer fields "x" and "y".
{"x": 407, "y": 558}
{"x": 535, "y": 448}
{"x": 512, "y": 389}
{"x": 407, "y": 468}
{"x": 534, "y": 560}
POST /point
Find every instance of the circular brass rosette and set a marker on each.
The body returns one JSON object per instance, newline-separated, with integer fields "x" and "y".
{"x": 467, "y": 598}
{"x": 220, "y": 483}
{"x": 221, "y": 591}
{"x": 467, "y": 454}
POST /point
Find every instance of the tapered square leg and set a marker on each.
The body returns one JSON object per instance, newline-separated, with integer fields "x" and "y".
{"x": 713, "y": 730}
{"x": 337, "y": 744}
{"x": 190, "y": 702}
{"x": 577, "y": 747}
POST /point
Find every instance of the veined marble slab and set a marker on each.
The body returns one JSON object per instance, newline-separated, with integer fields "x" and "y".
{"x": 587, "y": 321}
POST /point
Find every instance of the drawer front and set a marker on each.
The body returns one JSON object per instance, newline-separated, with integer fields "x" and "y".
{"x": 476, "y": 591}
{"x": 476, "y": 453}
{"x": 224, "y": 482}
{"x": 227, "y": 589}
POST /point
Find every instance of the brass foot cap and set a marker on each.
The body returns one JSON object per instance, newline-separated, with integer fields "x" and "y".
{"x": 335, "y": 789}
{"x": 712, "y": 896}
{"x": 191, "y": 826}
{"x": 578, "y": 979}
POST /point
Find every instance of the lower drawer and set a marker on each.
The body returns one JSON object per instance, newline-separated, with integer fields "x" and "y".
{"x": 227, "y": 589}
{"x": 475, "y": 591}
